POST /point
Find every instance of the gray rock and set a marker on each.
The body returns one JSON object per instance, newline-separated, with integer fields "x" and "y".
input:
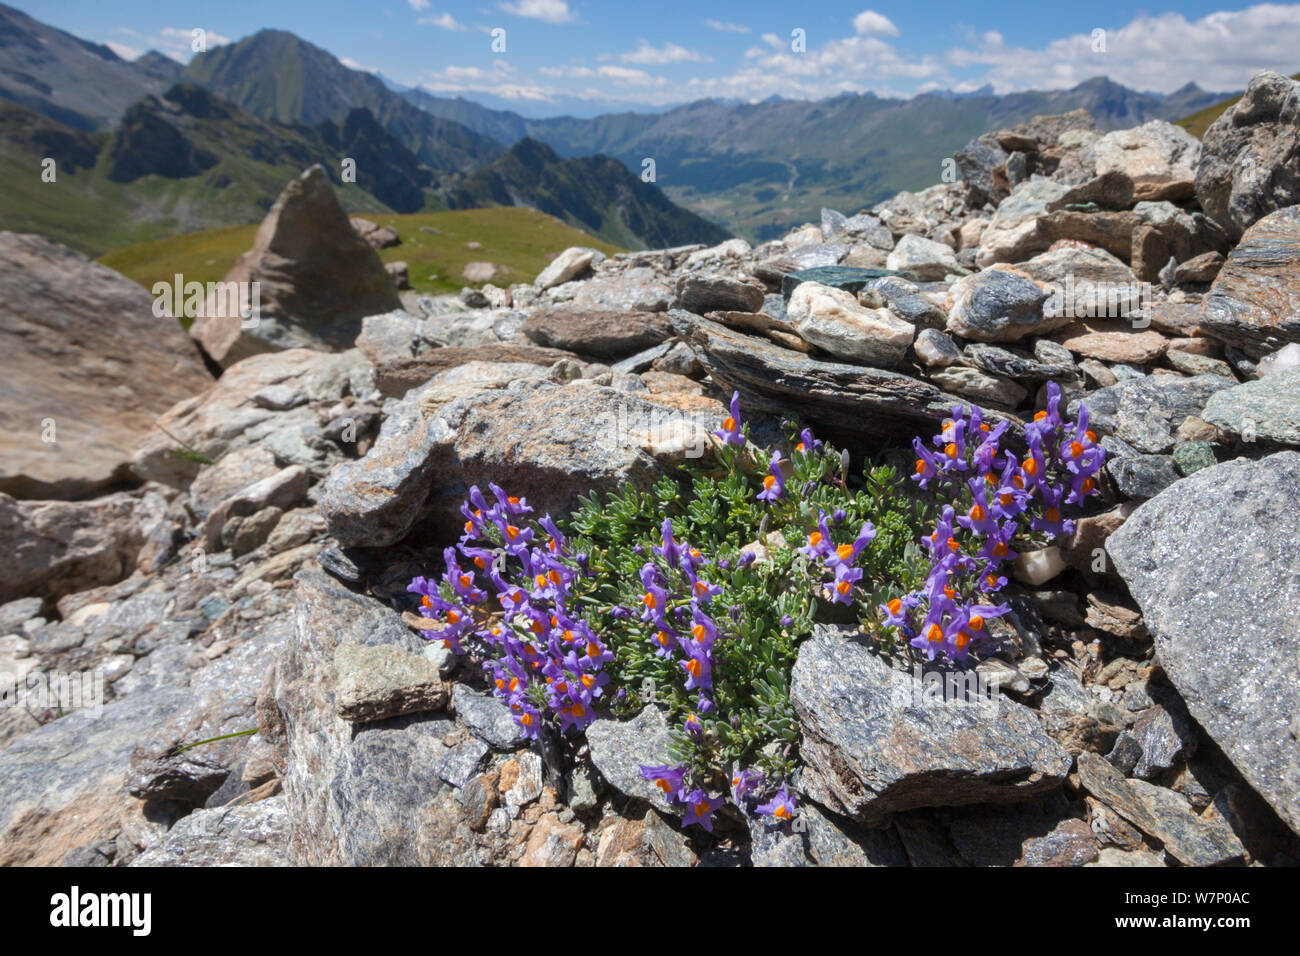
{"x": 870, "y": 749}
{"x": 374, "y": 683}
{"x": 1268, "y": 409}
{"x": 1013, "y": 364}
{"x": 1255, "y": 300}
{"x": 1191, "y": 580}
{"x": 16, "y": 613}
{"x": 998, "y": 305}
{"x": 1247, "y": 165}
{"x": 252, "y": 835}
{"x": 717, "y": 293}
{"x": 924, "y": 258}
{"x": 1190, "y": 363}
{"x": 1142, "y": 476}
{"x": 1164, "y": 735}
{"x": 833, "y": 320}
{"x": 979, "y": 386}
{"x": 620, "y": 748}
{"x": 904, "y": 301}
{"x": 487, "y": 717}
{"x": 935, "y": 349}
{"x": 1163, "y": 814}
{"x": 462, "y": 762}
{"x": 820, "y": 839}
{"x": 1192, "y": 456}
{"x": 1145, "y": 412}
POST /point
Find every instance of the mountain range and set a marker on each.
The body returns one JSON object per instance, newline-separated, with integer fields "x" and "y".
{"x": 245, "y": 112}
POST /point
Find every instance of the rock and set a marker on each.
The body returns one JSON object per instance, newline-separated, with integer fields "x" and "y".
{"x": 479, "y": 797}
{"x": 252, "y": 835}
{"x": 903, "y": 299}
{"x": 459, "y": 765}
{"x": 648, "y": 841}
{"x": 1199, "y": 269}
{"x": 924, "y": 258}
{"x": 717, "y": 293}
{"x": 395, "y": 377}
{"x": 1071, "y": 843}
{"x": 848, "y": 279}
{"x": 867, "y": 753}
{"x": 379, "y": 237}
{"x": 1255, "y": 301}
{"x": 399, "y": 273}
{"x": 978, "y": 385}
{"x": 857, "y": 399}
{"x": 225, "y": 419}
{"x": 363, "y": 795}
{"x": 636, "y": 290}
{"x": 1158, "y": 158}
{"x": 569, "y": 264}
{"x": 620, "y": 748}
{"x": 53, "y": 548}
{"x": 526, "y": 436}
{"x": 605, "y": 335}
{"x": 375, "y": 683}
{"x": 317, "y": 278}
{"x": 1145, "y": 412}
{"x": 998, "y": 305}
{"x": 1164, "y": 735}
{"x": 1012, "y": 234}
{"x": 935, "y": 349}
{"x": 1191, "y": 579}
{"x": 1142, "y": 476}
{"x": 1287, "y": 357}
{"x": 480, "y": 272}
{"x": 1247, "y": 166}
{"x": 486, "y": 717}
{"x": 982, "y": 163}
{"x": 281, "y": 491}
{"x": 821, "y": 839}
{"x": 551, "y": 843}
{"x": 833, "y": 320}
{"x": 1039, "y": 566}
{"x": 88, "y": 367}
{"x": 1008, "y": 363}
{"x": 1189, "y": 363}
{"x": 528, "y": 784}
{"x": 1267, "y": 409}
{"x": 1192, "y": 456}
{"x": 1114, "y": 341}
{"x": 1193, "y": 840}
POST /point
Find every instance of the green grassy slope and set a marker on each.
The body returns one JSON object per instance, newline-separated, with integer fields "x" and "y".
{"x": 521, "y": 240}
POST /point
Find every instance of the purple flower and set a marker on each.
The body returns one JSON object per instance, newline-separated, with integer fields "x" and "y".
{"x": 668, "y": 779}
{"x": 745, "y": 782}
{"x": 774, "y": 482}
{"x": 807, "y": 444}
{"x": 730, "y": 433}
{"x": 781, "y": 806}
{"x": 699, "y": 809}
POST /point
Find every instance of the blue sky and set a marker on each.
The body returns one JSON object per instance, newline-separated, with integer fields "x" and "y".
{"x": 582, "y": 56}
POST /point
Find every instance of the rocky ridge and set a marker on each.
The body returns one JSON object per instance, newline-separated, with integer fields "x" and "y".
{"x": 249, "y": 578}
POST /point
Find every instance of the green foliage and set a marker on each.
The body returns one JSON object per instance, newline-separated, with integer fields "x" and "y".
{"x": 763, "y": 611}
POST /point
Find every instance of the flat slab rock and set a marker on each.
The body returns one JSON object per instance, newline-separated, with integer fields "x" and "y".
{"x": 870, "y": 749}
{"x": 619, "y": 748}
{"x": 1214, "y": 564}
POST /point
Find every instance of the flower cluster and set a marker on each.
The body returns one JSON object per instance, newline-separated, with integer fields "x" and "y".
{"x": 550, "y": 660}
{"x": 998, "y": 492}
{"x": 840, "y": 560}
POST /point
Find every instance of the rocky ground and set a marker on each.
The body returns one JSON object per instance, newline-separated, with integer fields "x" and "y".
{"x": 230, "y": 555}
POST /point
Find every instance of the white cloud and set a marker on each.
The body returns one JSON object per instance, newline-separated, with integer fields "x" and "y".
{"x": 1221, "y": 51}
{"x": 722, "y": 27}
{"x": 445, "y": 21}
{"x": 871, "y": 23}
{"x": 668, "y": 53}
{"x": 551, "y": 11}
{"x": 125, "y": 52}
{"x": 418, "y": 5}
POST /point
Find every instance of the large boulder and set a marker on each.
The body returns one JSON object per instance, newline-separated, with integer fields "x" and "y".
{"x": 1214, "y": 563}
{"x": 316, "y": 279}
{"x": 1158, "y": 157}
{"x": 549, "y": 442}
{"x": 1255, "y": 300}
{"x": 874, "y": 744}
{"x": 1250, "y": 156}
{"x": 88, "y": 366}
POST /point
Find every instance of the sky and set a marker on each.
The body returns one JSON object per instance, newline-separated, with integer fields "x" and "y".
{"x": 583, "y": 57}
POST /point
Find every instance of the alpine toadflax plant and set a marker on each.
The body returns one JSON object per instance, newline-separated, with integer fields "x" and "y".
{"x": 693, "y": 596}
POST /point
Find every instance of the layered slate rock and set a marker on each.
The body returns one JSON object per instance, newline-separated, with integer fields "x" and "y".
{"x": 856, "y": 399}
{"x": 252, "y": 835}
{"x": 1192, "y": 839}
{"x": 1250, "y": 156}
{"x": 604, "y": 335}
{"x": 1214, "y": 564}
{"x": 1146, "y": 412}
{"x": 316, "y": 279}
{"x": 559, "y": 442}
{"x": 88, "y": 367}
{"x": 1267, "y": 409}
{"x": 872, "y": 748}
{"x": 1255, "y": 300}
{"x": 367, "y": 795}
